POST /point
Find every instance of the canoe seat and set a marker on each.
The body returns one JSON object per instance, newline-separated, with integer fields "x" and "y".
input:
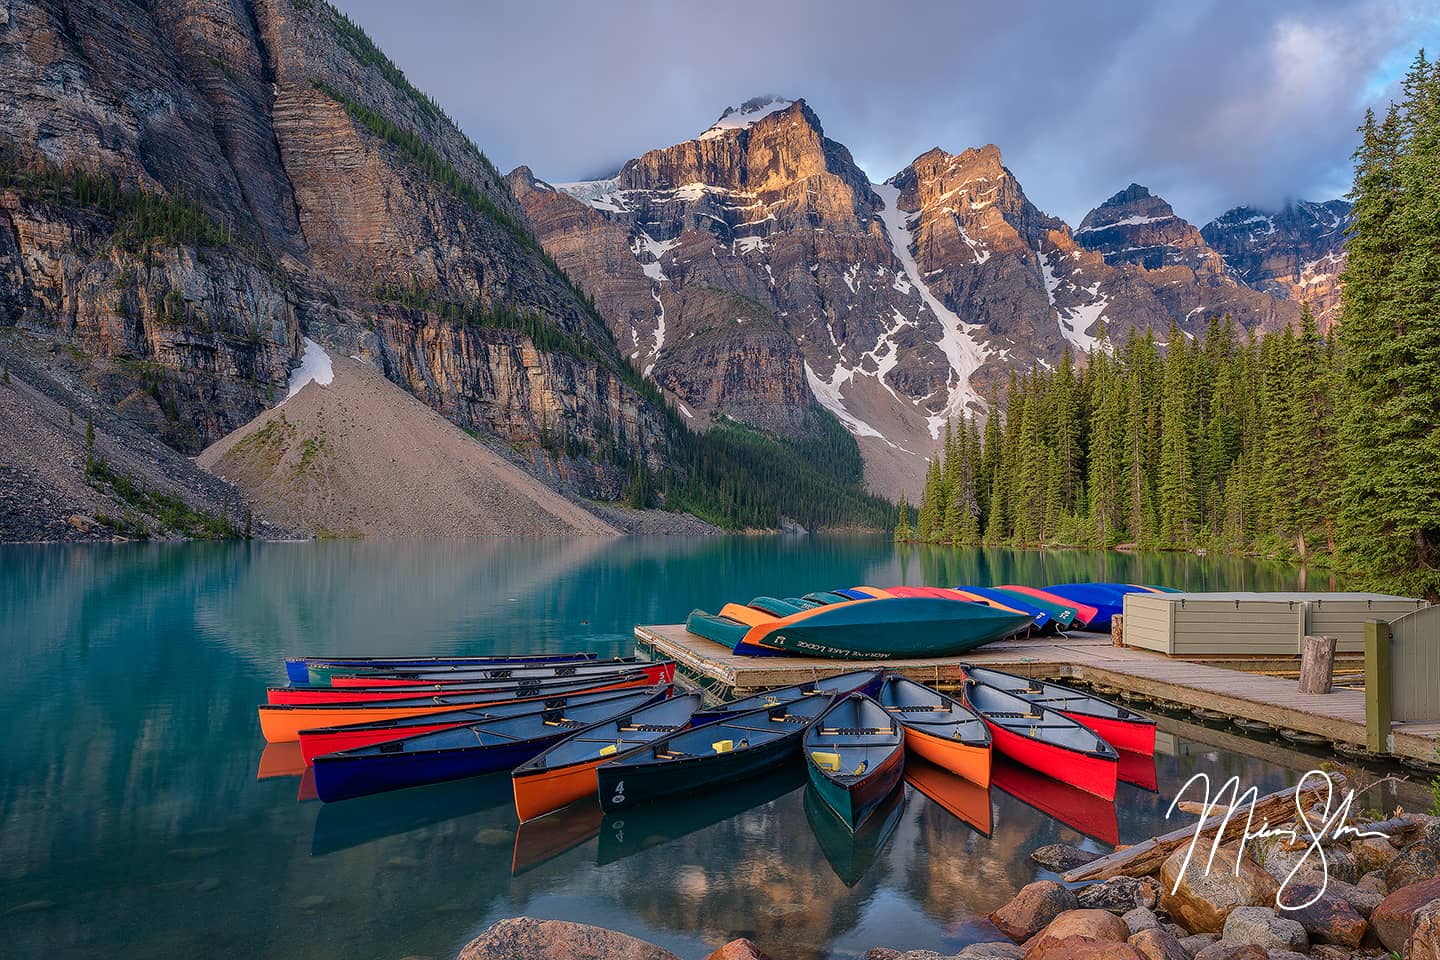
{"x": 826, "y": 761}
{"x": 854, "y": 731}
{"x": 1011, "y": 715}
{"x": 670, "y": 754}
{"x": 787, "y": 718}
{"x": 648, "y": 728}
{"x": 918, "y": 708}
{"x": 723, "y": 746}
{"x": 563, "y": 722}
{"x": 609, "y": 751}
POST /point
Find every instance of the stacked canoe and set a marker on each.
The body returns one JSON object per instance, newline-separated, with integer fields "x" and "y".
{"x": 873, "y": 623}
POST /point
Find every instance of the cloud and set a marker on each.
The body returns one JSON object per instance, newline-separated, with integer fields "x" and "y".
{"x": 1211, "y": 103}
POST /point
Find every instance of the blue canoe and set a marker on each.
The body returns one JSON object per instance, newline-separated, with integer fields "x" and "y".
{"x": 297, "y": 669}
{"x": 1107, "y": 598}
{"x": 481, "y": 748}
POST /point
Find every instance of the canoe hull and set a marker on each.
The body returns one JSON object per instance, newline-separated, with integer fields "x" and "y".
{"x": 631, "y": 785}
{"x": 1128, "y": 735}
{"x": 343, "y": 776}
{"x": 855, "y": 802}
{"x": 312, "y": 670}
{"x": 1094, "y": 775}
{"x": 540, "y": 792}
{"x": 888, "y": 628}
{"x": 662, "y": 672}
{"x": 962, "y": 759}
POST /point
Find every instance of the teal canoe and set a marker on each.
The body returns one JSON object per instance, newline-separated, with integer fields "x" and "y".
{"x": 886, "y": 629}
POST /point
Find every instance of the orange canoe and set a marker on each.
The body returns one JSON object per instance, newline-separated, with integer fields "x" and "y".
{"x": 962, "y": 759}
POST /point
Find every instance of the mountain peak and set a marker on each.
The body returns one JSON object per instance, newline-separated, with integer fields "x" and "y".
{"x": 743, "y": 116}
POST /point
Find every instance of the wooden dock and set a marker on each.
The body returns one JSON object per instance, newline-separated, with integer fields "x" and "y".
{"x": 1234, "y": 687}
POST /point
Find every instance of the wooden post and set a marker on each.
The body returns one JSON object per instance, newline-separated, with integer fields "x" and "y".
{"x": 1317, "y": 664}
{"x": 1377, "y": 686}
{"x": 1117, "y": 631}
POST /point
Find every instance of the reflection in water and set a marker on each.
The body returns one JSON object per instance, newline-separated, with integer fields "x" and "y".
{"x": 849, "y": 854}
{"x": 1138, "y": 769}
{"x": 137, "y": 822}
{"x": 963, "y": 799}
{"x": 1077, "y": 809}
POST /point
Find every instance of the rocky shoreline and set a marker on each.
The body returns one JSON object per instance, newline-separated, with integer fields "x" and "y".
{"x": 1373, "y": 899}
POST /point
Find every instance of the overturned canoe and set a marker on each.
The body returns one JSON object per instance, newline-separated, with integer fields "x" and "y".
{"x": 869, "y": 629}
{"x": 1120, "y": 727}
{"x": 1084, "y": 613}
{"x": 708, "y": 757}
{"x": 282, "y": 722}
{"x": 1108, "y": 599}
{"x": 940, "y": 728}
{"x": 1044, "y": 740}
{"x": 483, "y": 674}
{"x": 307, "y": 670}
{"x": 855, "y": 756}
{"x": 565, "y": 772}
{"x": 483, "y": 747}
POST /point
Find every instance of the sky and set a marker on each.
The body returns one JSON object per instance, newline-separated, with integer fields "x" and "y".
{"x": 1210, "y": 103}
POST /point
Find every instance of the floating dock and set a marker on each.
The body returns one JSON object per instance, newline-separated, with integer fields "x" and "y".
{"x": 1236, "y": 687}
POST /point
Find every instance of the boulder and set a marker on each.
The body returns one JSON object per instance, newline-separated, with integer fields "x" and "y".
{"x": 1364, "y": 901}
{"x": 1158, "y": 944}
{"x": 1078, "y": 948}
{"x": 1285, "y": 955}
{"x": 1061, "y": 857}
{"x": 1338, "y": 863}
{"x": 1262, "y": 927}
{"x": 1330, "y": 919}
{"x": 1372, "y": 853}
{"x": 1073, "y": 929}
{"x": 1230, "y": 950}
{"x": 1394, "y": 918}
{"x": 742, "y": 949}
{"x": 1416, "y": 863}
{"x": 1424, "y": 943}
{"x": 1330, "y": 951}
{"x": 1032, "y": 908}
{"x": 1194, "y": 943}
{"x": 1201, "y": 900}
{"x": 1139, "y": 919}
{"x": 882, "y": 953}
{"x": 525, "y": 938}
{"x": 1374, "y": 882}
{"x": 993, "y": 950}
{"x": 1120, "y": 894}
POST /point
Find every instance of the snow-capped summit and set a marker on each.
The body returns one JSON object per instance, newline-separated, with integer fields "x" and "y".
{"x": 738, "y": 118}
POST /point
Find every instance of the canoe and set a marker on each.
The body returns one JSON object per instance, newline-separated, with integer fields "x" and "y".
{"x": 564, "y": 773}
{"x": 839, "y": 685}
{"x": 643, "y": 828}
{"x": 314, "y": 743}
{"x": 851, "y": 853}
{"x": 855, "y": 756}
{"x": 1044, "y": 740}
{"x": 1084, "y": 812}
{"x": 1043, "y": 619}
{"x": 1084, "y": 613}
{"x": 482, "y": 747}
{"x": 871, "y": 629}
{"x": 939, "y": 728}
{"x": 304, "y": 670}
{"x": 963, "y": 799}
{"x": 1059, "y": 615}
{"x": 1107, "y": 598}
{"x": 709, "y": 756}
{"x": 1121, "y": 728}
{"x": 482, "y": 675}
{"x": 282, "y": 722}
{"x": 661, "y": 671}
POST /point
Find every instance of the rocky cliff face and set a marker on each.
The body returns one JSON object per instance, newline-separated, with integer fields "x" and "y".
{"x": 334, "y": 198}
{"x": 1296, "y": 253}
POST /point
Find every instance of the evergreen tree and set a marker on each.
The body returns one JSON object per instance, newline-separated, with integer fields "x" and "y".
{"x": 903, "y": 533}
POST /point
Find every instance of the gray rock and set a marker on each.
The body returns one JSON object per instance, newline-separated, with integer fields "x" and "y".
{"x": 1120, "y": 894}
{"x": 1286, "y": 955}
{"x": 1141, "y": 918}
{"x": 1061, "y": 857}
{"x": 1418, "y": 862}
{"x": 1261, "y": 926}
{"x": 993, "y": 950}
{"x": 1230, "y": 950}
{"x": 1196, "y": 942}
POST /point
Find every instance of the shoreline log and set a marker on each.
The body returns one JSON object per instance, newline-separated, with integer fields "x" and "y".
{"x": 1146, "y": 857}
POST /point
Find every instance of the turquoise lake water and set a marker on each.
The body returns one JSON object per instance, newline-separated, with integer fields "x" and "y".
{"x": 133, "y": 821}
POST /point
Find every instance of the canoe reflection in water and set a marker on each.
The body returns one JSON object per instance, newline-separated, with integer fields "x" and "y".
{"x": 1078, "y": 809}
{"x": 539, "y": 841}
{"x": 1139, "y": 770}
{"x": 961, "y": 798}
{"x": 849, "y": 854}
{"x": 340, "y": 826}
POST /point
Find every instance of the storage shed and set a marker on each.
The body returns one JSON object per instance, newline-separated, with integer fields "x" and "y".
{"x": 1237, "y": 624}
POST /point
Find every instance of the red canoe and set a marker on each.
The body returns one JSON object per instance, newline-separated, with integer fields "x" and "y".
{"x": 662, "y": 671}
{"x": 1084, "y": 611}
{"x": 1045, "y": 740}
{"x": 1121, "y": 728}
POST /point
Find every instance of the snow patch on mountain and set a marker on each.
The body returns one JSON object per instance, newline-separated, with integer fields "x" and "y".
{"x": 741, "y": 117}
{"x": 1075, "y": 322}
{"x": 603, "y": 195}
{"x": 828, "y": 393}
{"x": 958, "y": 342}
{"x": 314, "y": 365}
